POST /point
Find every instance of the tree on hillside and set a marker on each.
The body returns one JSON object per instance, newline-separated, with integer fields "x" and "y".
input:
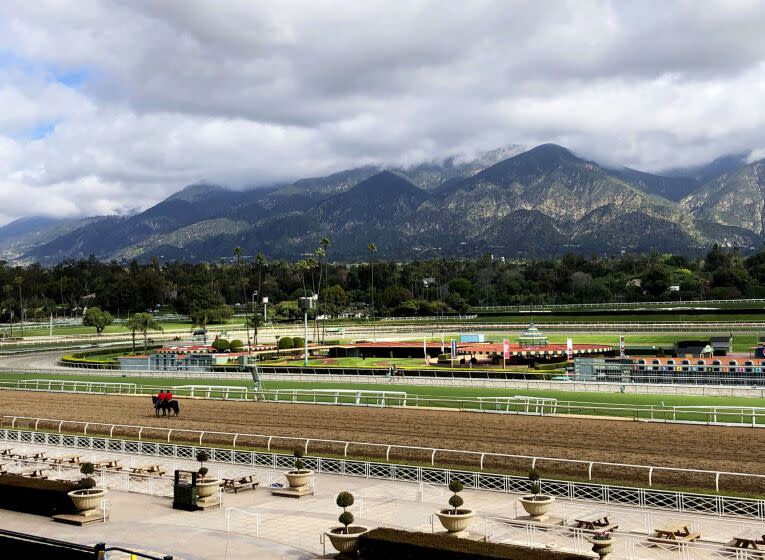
{"x": 95, "y": 317}
{"x": 143, "y": 322}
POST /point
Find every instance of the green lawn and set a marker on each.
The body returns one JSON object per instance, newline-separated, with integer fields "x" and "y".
{"x": 112, "y": 329}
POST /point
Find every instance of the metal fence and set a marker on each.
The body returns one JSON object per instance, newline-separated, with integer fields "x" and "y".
{"x": 475, "y": 459}
{"x": 616, "y": 495}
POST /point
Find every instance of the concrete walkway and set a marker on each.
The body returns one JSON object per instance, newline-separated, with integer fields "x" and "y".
{"x": 253, "y": 523}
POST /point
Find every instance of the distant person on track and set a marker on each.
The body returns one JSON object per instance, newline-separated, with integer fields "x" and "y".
{"x": 161, "y": 396}
{"x": 168, "y": 395}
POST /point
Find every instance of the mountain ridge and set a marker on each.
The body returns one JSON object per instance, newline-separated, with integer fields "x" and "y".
{"x": 538, "y": 202}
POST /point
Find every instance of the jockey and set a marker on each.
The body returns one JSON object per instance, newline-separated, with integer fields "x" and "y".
{"x": 162, "y": 396}
{"x": 168, "y": 395}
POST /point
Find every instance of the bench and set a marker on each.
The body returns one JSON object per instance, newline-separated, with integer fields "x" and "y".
{"x": 71, "y": 459}
{"x": 148, "y": 469}
{"x": 595, "y": 521}
{"x": 33, "y": 473}
{"x": 750, "y": 538}
{"x": 241, "y": 483}
{"x": 112, "y": 464}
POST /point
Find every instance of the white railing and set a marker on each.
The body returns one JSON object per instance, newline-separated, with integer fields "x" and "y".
{"x": 433, "y": 475}
{"x": 237, "y": 392}
{"x": 337, "y": 396}
{"x": 67, "y": 386}
{"x": 626, "y": 545}
{"x": 446, "y": 455}
{"x": 520, "y": 405}
{"x": 247, "y": 514}
{"x": 623, "y": 304}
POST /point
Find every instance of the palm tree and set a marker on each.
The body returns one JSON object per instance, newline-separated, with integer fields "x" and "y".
{"x": 144, "y": 322}
{"x": 254, "y": 321}
{"x": 133, "y": 326}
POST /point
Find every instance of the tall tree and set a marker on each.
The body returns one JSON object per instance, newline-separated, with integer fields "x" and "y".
{"x": 145, "y": 322}
{"x": 95, "y": 317}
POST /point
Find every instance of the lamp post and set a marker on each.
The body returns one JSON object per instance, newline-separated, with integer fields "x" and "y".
{"x": 265, "y": 309}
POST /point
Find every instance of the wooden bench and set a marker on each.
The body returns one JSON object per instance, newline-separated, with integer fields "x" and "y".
{"x": 111, "y": 464}
{"x": 749, "y": 539}
{"x": 148, "y": 469}
{"x": 33, "y": 473}
{"x": 6, "y": 452}
{"x": 241, "y": 483}
{"x": 595, "y": 521}
{"x": 676, "y": 531}
{"x": 38, "y": 456}
{"x": 60, "y": 460}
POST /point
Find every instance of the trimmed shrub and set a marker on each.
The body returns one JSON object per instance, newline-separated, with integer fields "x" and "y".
{"x": 298, "y": 341}
{"x": 236, "y": 345}
{"x": 285, "y": 343}
{"x": 221, "y": 344}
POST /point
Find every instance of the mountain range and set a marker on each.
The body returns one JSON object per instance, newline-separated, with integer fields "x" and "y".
{"x": 511, "y": 202}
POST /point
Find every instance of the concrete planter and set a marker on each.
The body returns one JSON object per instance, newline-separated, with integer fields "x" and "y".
{"x": 537, "y": 506}
{"x": 87, "y": 500}
{"x": 602, "y": 547}
{"x": 298, "y": 479}
{"x": 455, "y": 523}
{"x": 346, "y": 544}
{"x": 207, "y": 487}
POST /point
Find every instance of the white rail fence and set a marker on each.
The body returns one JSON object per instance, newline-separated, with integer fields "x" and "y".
{"x": 640, "y": 497}
{"x": 626, "y": 546}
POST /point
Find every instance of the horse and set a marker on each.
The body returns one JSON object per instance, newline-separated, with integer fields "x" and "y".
{"x": 165, "y": 406}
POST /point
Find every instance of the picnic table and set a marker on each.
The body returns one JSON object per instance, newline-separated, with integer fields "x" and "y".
{"x": 34, "y": 472}
{"x": 6, "y": 451}
{"x": 147, "y": 469}
{"x": 38, "y": 455}
{"x": 750, "y": 539}
{"x": 61, "y": 459}
{"x": 595, "y": 521}
{"x": 676, "y": 531}
{"x": 240, "y": 483}
{"x": 113, "y": 464}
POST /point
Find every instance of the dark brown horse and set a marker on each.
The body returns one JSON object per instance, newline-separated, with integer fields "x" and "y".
{"x": 165, "y": 406}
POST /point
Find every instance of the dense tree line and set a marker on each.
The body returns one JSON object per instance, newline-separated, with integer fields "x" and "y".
{"x": 212, "y": 291}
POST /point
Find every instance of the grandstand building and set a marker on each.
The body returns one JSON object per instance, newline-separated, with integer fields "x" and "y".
{"x": 718, "y": 370}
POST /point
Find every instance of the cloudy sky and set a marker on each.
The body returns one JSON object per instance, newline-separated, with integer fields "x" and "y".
{"x": 108, "y": 106}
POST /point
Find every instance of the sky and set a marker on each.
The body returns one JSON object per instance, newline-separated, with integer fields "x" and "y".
{"x": 108, "y": 106}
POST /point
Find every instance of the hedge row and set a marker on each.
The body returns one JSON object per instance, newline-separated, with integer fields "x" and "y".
{"x": 35, "y": 496}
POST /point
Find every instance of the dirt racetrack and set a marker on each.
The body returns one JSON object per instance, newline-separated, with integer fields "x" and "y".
{"x": 614, "y": 441}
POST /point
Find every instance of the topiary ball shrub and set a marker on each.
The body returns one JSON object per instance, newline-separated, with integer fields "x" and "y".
{"x": 456, "y": 501}
{"x": 346, "y": 518}
{"x": 298, "y": 341}
{"x": 87, "y": 469}
{"x": 299, "y": 463}
{"x": 344, "y": 499}
{"x": 285, "y": 343}
{"x": 236, "y": 345}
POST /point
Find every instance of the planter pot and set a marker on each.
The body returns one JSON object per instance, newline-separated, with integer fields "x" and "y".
{"x": 346, "y": 544}
{"x": 537, "y": 506}
{"x": 455, "y": 523}
{"x": 602, "y": 547}
{"x": 206, "y": 487}
{"x": 298, "y": 479}
{"x": 87, "y": 500}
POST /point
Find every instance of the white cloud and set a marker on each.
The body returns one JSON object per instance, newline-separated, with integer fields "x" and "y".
{"x": 249, "y": 93}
